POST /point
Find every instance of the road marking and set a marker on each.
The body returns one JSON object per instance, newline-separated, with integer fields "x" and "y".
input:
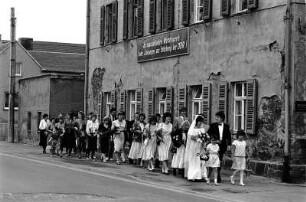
{"x": 148, "y": 184}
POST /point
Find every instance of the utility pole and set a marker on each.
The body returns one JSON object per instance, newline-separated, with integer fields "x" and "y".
{"x": 87, "y": 58}
{"x": 12, "y": 77}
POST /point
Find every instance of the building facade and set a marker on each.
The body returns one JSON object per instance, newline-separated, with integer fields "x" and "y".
{"x": 155, "y": 56}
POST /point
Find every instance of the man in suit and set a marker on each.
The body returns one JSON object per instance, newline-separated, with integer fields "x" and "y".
{"x": 112, "y": 117}
{"x": 221, "y": 132}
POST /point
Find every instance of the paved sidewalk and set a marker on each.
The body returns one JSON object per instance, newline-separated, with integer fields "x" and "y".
{"x": 257, "y": 188}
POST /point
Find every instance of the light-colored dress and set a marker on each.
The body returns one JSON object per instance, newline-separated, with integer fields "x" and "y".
{"x": 213, "y": 161}
{"x": 164, "y": 146}
{"x": 119, "y": 135}
{"x": 239, "y": 155}
{"x": 150, "y": 142}
{"x": 136, "y": 145}
{"x": 192, "y": 164}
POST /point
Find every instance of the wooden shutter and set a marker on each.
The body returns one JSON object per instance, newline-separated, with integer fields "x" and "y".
{"x": 125, "y": 19}
{"x": 252, "y": 4}
{"x": 250, "y": 113}
{"x": 150, "y": 103}
{"x": 152, "y": 13}
{"x": 225, "y": 7}
{"x": 113, "y": 98}
{"x": 189, "y": 102}
{"x": 206, "y": 102}
{"x": 169, "y": 99}
{"x": 222, "y": 98}
{"x": 139, "y": 100}
{"x": 181, "y": 98}
{"x": 103, "y": 104}
{"x": 185, "y": 12}
{"x": 114, "y": 21}
{"x": 99, "y": 114}
{"x": 122, "y": 101}
{"x": 102, "y": 25}
{"x": 169, "y": 15}
{"x": 140, "y": 18}
{"x": 207, "y": 9}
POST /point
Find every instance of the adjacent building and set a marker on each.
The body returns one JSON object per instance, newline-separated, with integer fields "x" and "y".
{"x": 49, "y": 79}
{"x": 154, "y": 56}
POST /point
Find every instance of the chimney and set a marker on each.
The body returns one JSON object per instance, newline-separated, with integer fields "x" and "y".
{"x": 27, "y": 43}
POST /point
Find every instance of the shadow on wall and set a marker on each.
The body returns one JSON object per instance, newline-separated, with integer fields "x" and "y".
{"x": 96, "y": 85}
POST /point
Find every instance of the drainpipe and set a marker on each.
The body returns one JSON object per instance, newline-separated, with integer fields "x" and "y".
{"x": 87, "y": 58}
{"x": 288, "y": 61}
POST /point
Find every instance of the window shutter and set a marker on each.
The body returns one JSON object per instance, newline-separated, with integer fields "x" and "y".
{"x": 169, "y": 15}
{"x": 125, "y": 19}
{"x": 222, "y": 96}
{"x": 122, "y": 101}
{"x": 250, "y": 114}
{"x": 206, "y": 99}
{"x": 152, "y": 24}
{"x": 99, "y": 114}
{"x": 103, "y": 105}
{"x": 181, "y": 98}
{"x": 185, "y": 12}
{"x": 207, "y": 9}
{"x": 114, "y": 21}
{"x": 169, "y": 99}
{"x": 140, "y": 18}
{"x": 150, "y": 103}
{"x": 139, "y": 100}
{"x": 189, "y": 103}
{"x": 225, "y": 7}
{"x": 102, "y": 25}
{"x": 113, "y": 98}
{"x": 252, "y": 4}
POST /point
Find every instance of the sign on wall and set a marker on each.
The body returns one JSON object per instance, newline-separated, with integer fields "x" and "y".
{"x": 164, "y": 45}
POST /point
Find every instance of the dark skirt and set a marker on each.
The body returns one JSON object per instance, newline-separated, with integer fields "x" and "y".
{"x": 92, "y": 143}
{"x": 104, "y": 144}
{"x": 70, "y": 140}
{"x": 43, "y": 139}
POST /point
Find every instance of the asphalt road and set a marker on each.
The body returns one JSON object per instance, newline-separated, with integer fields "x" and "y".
{"x": 25, "y": 179}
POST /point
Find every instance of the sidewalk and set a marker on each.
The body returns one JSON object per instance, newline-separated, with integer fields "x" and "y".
{"x": 257, "y": 188}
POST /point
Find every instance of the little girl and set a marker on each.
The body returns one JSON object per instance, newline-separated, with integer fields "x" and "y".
{"x": 239, "y": 152}
{"x": 213, "y": 161}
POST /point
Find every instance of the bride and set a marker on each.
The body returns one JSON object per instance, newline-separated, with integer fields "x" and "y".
{"x": 193, "y": 148}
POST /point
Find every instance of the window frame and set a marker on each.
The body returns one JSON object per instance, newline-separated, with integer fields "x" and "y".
{"x": 131, "y": 95}
{"x": 161, "y": 101}
{"x": 7, "y": 98}
{"x": 18, "y": 64}
{"x": 198, "y": 5}
{"x": 239, "y": 4}
{"x": 194, "y": 100}
{"x": 243, "y": 99}
{"x": 108, "y": 102}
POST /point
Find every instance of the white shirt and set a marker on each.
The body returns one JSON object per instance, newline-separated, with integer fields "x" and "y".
{"x": 221, "y": 127}
{"x": 239, "y": 147}
{"x": 43, "y": 125}
{"x": 120, "y": 125}
{"x": 92, "y": 127}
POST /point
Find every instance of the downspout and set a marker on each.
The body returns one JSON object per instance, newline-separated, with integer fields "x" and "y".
{"x": 288, "y": 61}
{"x": 87, "y": 58}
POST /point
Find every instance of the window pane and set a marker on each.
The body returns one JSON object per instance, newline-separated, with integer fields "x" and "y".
{"x": 196, "y": 108}
{"x": 238, "y": 123}
{"x": 238, "y": 108}
{"x": 244, "y": 4}
{"x": 133, "y": 96}
{"x": 162, "y": 108}
{"x": 6, "y": 104}
{"x": 239, "y": 89}
{"x": 197, "y": 92}
{"x": 132, "y": 113}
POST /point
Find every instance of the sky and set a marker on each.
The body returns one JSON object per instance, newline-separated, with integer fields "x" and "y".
{"x": 45, "y": 20}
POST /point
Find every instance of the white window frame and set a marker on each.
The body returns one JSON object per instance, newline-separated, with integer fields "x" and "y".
{"x": 197, "y": 8}
{"x": 108, "y": 102}
{"x": 241, "y": 99}
{"x": 18, "y": 64}
{"x": 133, "y": 102}
{"x": 239, "y": 6}
{"x": 161, "y": 101}
{"x": 195, "y": 100}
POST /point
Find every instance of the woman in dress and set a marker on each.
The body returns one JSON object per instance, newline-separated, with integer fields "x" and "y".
{"x": 105, "y": 134}
{"x": 61, "y": 132}
{"x": 69, "y": 134}
{"x": 137, "y": 130}
{"x": 165, "y": 130}
{"x": 150, "y": 143}
{"x": 43, "y": 127}
{"x": 80, "y": 131}
{"x": 192, "y": 162}
{"x": 119, "y": 127}
{"x": 92, "y": 131}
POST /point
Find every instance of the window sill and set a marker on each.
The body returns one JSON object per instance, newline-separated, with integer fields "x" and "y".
{"x": 241, "y": 13}
{"x": 7, "y": 108}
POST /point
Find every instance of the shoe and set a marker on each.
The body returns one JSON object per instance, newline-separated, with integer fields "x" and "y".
{"x": 118, "y": 163}
{"x": 104, "y": 161}
{"x": 207, "y": 181}
{"x": 216, "y": 182}
{"x": 44, "y": 152}
{"x": 61, "y": 155}
{"x": 232, "y": 180}
{"x": 241, "y": 184}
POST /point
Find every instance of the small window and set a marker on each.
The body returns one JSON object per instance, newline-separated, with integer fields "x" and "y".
{"x": 199, "y": 10}
{"x": 108, "y": 102}
{"x": 241, "y": 6}
{"x": 196, "y": 93}
{"x": 7, "y": 101}
{"x": 162, "y": 102}
{"x": 239, "y": 105}
{"x": 133, "y": 104}
{"x": 18, "y": 71}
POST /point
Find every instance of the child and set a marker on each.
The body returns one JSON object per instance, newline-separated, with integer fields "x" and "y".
{"x": 213, "y": 161}
{"x": 239, "y": 152}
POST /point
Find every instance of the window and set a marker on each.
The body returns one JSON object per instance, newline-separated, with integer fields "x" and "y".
{"x": 108, "y": 102}
{"x": 162, "y": 101}
{"x": 29, "y": 121}
{"x": 199, "y": 10}
{"x": 108, "y": 23}
{"x": 18, "y": 69}
{"x": 99, "y": 107}
{"x": 7, "y": 101}
{"x": 239, "y": 105}
{"x": 196, "y": 93}
{"x": 242, "y": 6}
{"x": 133, "y": 104}
{"x": 132, "y": 19}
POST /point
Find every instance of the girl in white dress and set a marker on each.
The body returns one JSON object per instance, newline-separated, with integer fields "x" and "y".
{"x": 194, "y": 145}
{"x": 213, "y": 161}
{"x": 119, "y": 127}
{"x": 150, "y": 143}
{"x": 165, "y": 130}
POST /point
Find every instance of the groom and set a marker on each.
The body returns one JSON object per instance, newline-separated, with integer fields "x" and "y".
{"x": 221, "y": 132}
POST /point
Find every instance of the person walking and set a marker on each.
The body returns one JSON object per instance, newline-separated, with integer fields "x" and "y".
{"x": 92, "y": 131}
{"x": 112, "y": 117}
{"x": 69, "y": 134}
{"x": 119, "y": 127}
{"x": 80, "y": 134}
{"x": 43, "y": 127}
{"x": 221, "y": 132}
{"x": 213, "y": 162}
{"x": 137, "y": 130}
{"x": 105, "y": 136}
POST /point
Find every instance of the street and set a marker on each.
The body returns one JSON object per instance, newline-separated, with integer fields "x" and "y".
{"x": 28, "y": 175}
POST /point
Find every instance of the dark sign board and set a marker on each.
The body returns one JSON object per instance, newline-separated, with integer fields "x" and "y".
{"x": 300, "y": 106}
{"x": 164, "y": 45}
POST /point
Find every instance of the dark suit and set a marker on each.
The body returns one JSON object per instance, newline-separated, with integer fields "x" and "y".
{"x": 213, "y": 132}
